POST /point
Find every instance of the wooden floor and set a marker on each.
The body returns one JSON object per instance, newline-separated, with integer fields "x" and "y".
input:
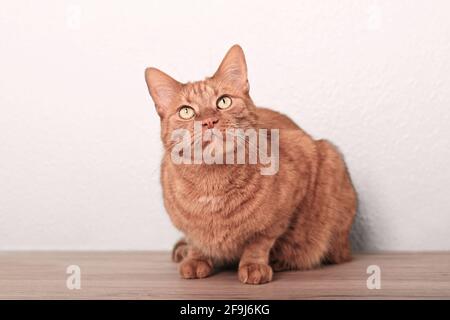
{"x": 151, "y": 275}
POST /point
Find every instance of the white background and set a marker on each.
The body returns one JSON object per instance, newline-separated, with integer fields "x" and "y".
{"x": 79, "y": 136}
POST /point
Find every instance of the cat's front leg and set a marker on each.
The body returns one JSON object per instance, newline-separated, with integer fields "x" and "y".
{"x": 195, "y": 265}
{"x": 254, "y": 265}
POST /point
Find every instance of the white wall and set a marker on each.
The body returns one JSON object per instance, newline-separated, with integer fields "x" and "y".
{"x": 79, "y": 138}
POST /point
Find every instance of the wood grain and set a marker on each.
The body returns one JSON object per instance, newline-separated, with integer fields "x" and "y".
{"x": 151, "y": 275}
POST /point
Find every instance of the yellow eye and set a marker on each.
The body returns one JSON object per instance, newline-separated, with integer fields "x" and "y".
{"x": 186, "y": 112}
{"x": 224, "y": 102}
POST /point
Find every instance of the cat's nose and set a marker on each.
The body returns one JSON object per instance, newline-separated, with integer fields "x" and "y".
{"x": 210, "y": 122}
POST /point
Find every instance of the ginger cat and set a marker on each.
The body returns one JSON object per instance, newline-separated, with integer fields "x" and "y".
{"x": 297, "y": 218}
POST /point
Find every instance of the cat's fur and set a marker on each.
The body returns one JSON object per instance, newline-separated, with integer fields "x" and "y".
{"x": 298, "y": 218}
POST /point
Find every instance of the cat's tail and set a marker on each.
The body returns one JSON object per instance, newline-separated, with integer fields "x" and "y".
{"x": 179, "y": 250}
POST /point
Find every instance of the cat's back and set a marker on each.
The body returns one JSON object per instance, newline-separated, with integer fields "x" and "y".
{"x": 294, "y": 141}
{"x": 271, "y": 119}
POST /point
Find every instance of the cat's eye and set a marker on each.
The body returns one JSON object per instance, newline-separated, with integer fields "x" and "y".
{"x": 186, "y": 112}
{"x": 224, "y": 102}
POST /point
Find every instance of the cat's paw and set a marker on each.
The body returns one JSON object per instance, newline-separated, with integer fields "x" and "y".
{"x": 255, "y": 273}
{"x": 195, "y": 269}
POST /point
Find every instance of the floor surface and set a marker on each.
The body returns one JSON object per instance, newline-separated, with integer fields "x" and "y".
{"x": 152, "y": 275}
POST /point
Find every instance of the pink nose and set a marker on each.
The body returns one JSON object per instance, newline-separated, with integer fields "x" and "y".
{"x": 210, "y": 122}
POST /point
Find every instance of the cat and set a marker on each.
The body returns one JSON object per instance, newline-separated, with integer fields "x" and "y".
{"x": 296, "y": 219}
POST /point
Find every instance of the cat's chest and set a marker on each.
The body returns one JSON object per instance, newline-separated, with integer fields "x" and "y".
{"x": 213, "y": 213}
{"x": 217, "y": 239}
{"x": 214, "y": 223}
{"x": 203, "y": 196}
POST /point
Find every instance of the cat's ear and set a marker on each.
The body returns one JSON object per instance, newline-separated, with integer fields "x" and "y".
{"x": 162, "y": 88}
{"x": 233, "y": 69}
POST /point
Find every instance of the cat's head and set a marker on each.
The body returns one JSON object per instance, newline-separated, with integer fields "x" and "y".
{"x": 221, "y": 101}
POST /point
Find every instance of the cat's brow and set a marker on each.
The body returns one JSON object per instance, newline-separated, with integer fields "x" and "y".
{"x": 199, "y": 89}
